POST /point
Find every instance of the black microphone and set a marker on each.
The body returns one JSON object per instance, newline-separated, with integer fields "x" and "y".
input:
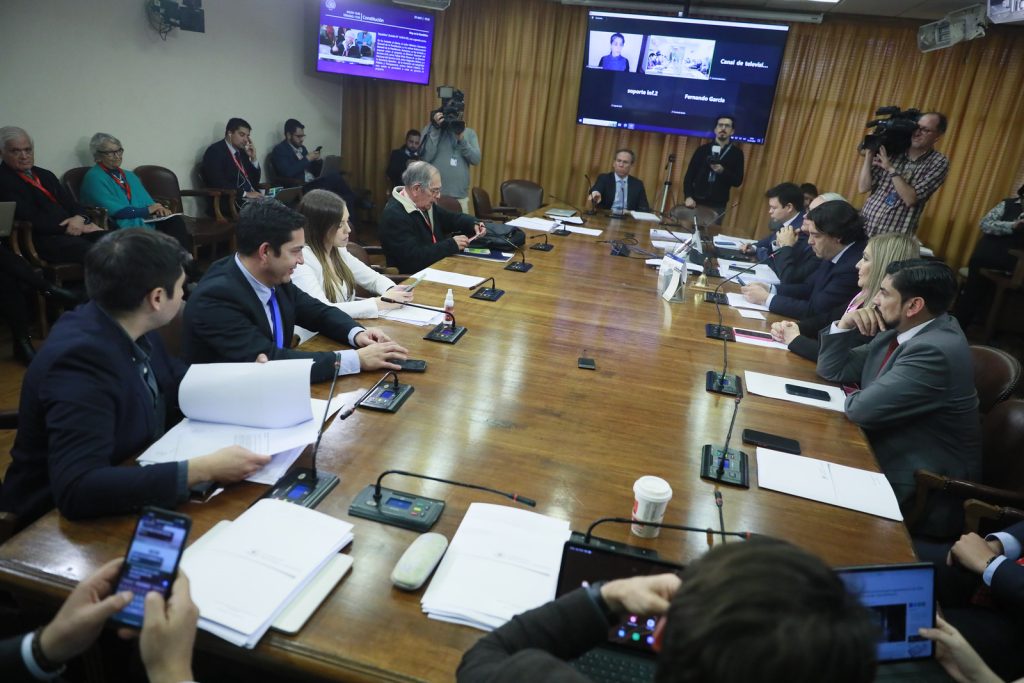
{"x": 440, "y": 333}
{"x": 521, "y": 266}
{"x": 571, "y": 206}
{"x": 589, "y": 537}
{"x": 545, "y": 245}
{"x": 411, "y": 511}
{"x": 491, "y": 293}
{"x": 593, "y": 208}
{"x": 724, "y": 465}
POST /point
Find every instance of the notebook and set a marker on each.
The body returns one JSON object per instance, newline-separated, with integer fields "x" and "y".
{"x": 627, "y": 655}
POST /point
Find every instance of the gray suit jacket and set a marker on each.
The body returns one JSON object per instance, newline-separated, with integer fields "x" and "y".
{"x": 919, "y": 410}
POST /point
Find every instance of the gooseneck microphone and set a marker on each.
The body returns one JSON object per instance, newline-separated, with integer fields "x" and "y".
{"x": 542, "y": 246}
{"x": 593, "y": 208}
{"x": 746, "y": 535}
{"x": 517, "y": 266}
{"x": 722, "y": 464}
{"x": 491, "y": 293}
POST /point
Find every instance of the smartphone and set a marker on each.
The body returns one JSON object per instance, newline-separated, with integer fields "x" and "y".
{"x": 806, "y": 392}
{"x": 586, "y": 363}
{"x": 319, "y": 147}
{"x": 151, "y": 562}
{"x": 757, "y": 334}
{"x": 412, "y": 365}
{"x": 772, "y": 441}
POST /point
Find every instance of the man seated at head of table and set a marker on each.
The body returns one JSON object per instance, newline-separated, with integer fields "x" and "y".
{"x": 760, "y": 610}
{"x": 793, "y": 259}
{"x": 916, "y": 400}
{"x": 61, "y": 231}
{"x": 835, "y": 232}
{"x": 414, "y": 231}
{"x": 881, "y": 250}
{"x": 618, "y": 190}
{"x": 103, "y": 388}
{"x": 246, "y": 304}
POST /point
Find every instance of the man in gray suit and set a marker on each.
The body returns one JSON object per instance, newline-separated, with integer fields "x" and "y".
{"x": 916, "y": 401}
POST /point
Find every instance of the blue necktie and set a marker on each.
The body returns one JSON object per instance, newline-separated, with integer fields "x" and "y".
{"x": 275, "y": 314}
{"x": 620, "y": 195}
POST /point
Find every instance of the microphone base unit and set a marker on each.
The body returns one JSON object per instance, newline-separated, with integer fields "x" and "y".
{"x": 562, "y": 232}
{"x": 716, "y": 298}
{"x": 733, "y": 464}
{"x": 616, "y": 216}
{"x": 713, "y": 272}
{"x": 302, "y": 486}
{"x": 620, "y": 250}
{"x": 386, "y": 397}
{"x": 613, "y": 546}
{"x": 405, "y": 510}
{"x": 723, "y": 384}
{"x": 487, "y": 294}
{"x": 546, "y": 246}
{"x": 445, "y": 335}
{"x": 519, "y": 266}
{"x": 713, "y": 331}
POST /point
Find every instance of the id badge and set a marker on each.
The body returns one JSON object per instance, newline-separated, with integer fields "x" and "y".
{"x": 454, "y": 161}
{"x": 891, "y": 198}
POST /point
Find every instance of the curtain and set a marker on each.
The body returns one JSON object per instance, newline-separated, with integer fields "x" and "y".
{"x": 519, "y": 64}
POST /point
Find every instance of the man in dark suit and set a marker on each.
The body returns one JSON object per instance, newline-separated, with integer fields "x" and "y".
{"x": 246, "y": 304}
{"x": 61, "y": 231}
{"x": 232, "y": 164}
{"x": 401, "y": 157}
{"x": 835, "y": 232}
{"x": 414, "y": 231}
{"x": 102, "y": 389}
{"x": 290, "y": 159}
{"x": 794, "y": 260}
{"x": 917, "y": 403}
{"x": 618, "y": 190}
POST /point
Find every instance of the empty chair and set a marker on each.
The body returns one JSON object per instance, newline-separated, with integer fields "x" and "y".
{"x": 484, "y": 210}
{"x": 996, "y": 374}
{"x": 450, "y": 203}
{"x": 524, "y": 195}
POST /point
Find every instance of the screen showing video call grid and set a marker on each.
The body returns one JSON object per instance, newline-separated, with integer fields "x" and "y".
{"x": 583, "y": 565}
{"x": 902, "y": 599}
{"x": 674, "y": 75}
{"x": 375, "y": 39}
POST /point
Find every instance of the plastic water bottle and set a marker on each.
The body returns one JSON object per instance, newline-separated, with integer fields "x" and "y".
{"x": 449, "y": 309}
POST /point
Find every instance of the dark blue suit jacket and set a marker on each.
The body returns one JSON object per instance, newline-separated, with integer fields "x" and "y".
{"x": 831, "y": 284}
{"x": 85, "y": 408}
{"x": 764, "y": 245}
{"x": 286, "y": 164}
{"x": 226, "y": 323}
{"x": 219, "y": 170}
{"x": 636, "y": 195}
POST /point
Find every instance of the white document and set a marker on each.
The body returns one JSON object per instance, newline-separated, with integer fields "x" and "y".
{"x": 736, "y": 300}
{"x": 753, "y": 315}
{"x": 827, "y": 482}
{"x": 265, "y": 395}
{"x": 249, "y": 572}
{"x": 159, "y": 219}
{"x": 775, "y": 387}
{"x": 744, "y": 337}
{"x": 502, "y": 561}
{"x": 593, "y": 232}
{"x": 445, "y": 277}
{"x": 575, "y": 220}
{"x": 761, "y": 272}
{"x": 532, "y": 223}
{"x": 730, "y": 242}
{"x": 414, "y": 316}
{"x": 645, "y": 216}
{"x": 674, "y": 235}
{"x": 667, "y": 245}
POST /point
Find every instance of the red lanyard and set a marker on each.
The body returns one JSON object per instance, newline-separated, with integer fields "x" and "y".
{"x": 38, "y": 184}
{"x": 430, "y": 228}
{"x": 241, "y": 170}
{"x": 116, "y": 175}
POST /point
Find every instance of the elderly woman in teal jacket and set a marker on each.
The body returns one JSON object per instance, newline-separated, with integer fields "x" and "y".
{"x": 121, "y": 193}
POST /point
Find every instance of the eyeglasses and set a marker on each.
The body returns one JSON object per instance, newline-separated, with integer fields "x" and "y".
{"x": 112, "y": 152}
{"x": 922, "y": 129}
{"x": 436, "y": 191}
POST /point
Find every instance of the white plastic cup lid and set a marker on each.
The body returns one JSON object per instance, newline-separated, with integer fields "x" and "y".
{"x": 653, "y": 489}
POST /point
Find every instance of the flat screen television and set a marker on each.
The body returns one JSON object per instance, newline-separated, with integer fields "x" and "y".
{"x": 674, "y": 75}
{"x": 375, "y": 39}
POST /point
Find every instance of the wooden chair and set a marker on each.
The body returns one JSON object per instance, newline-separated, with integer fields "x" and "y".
{"x": 684, "y": 215}
{"x": 8, "y": 520}
{"x": 483, "y": 209}
{"x": 162, "y": 185}
{"x": 450, "y": 203}
{"x": 983, "y": 518}
{"x": 60, "y": 274}
{"x": 72, "y": 179}
{"x": 366, "y": 254}
{"x": 1002, "y": 465}
{"x": 524, "y": 195}
{"x": 996, "y": 374}
{"x": 1003, "y": 283}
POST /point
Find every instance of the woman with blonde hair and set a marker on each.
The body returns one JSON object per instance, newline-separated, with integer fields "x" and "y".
{"x": 329, "y": 272}
{"x": 881, "y": 250}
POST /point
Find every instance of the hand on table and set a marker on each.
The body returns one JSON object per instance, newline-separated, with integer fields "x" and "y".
{"x": 756, "y": 292}
{"x": 379, "y": 356}
{"x": 371, "y": 335}
{"x": 785, "y": 332}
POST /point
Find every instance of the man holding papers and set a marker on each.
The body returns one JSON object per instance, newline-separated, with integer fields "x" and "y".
{"x": 246, "y": 304}
{"x": 99, "y": 391}
{"x": 916, "y": 403}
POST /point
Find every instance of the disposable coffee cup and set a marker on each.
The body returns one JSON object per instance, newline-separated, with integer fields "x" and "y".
{"x": 650, "y": 498}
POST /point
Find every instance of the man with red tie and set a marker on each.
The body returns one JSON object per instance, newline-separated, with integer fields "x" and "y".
{"x": 232, "y": 164}
{"x": 61, "y": 231}
{"x": 916, "y": 403}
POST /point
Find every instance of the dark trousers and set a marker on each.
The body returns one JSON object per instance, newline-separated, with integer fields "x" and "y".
{"x": 65, "y": 248}
{"x": 992, "y": 252}
{"x": 336, "y": 184}
{"x": 14, "y": 273}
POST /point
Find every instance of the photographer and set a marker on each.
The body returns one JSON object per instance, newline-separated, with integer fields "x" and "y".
{"x": 714, "y": 169}
{"x": 451, "y": 147}
{"x": 901, "y": 185}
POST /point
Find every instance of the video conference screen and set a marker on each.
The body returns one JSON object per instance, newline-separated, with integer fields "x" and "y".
{"x": 678, "y": 76}
{"x": 375, "y": 39}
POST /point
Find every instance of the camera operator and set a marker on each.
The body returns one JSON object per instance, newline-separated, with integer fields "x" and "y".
{"x": 715, "y": 168}
{"x": 900, "y": 186}
{"x": 451, "y": 147}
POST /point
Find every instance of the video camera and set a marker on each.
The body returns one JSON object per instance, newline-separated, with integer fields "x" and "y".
{"x": 893, "y": 133}
{"x": 453, "y": 107}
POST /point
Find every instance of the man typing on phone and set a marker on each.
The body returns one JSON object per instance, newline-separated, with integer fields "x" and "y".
{"x": 295, "y": 164}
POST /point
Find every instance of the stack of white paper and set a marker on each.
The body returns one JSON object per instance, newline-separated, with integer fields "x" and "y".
{"x": 532, "y": 223}
{"x": 736, "y": 300}
{"x": 645, "y": 216}
{"x": 245, "y": 576}
{"x": 502, "y": 561}
{"x": 728, "y": 242}
{"x": 445, "y": 277}
{"x": 760, "y": 272}
{"x": 414, "y": 316}
{"x": 674, "y": 235}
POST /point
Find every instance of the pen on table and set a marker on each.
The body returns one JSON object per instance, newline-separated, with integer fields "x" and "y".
{"x": 742, "y": 283}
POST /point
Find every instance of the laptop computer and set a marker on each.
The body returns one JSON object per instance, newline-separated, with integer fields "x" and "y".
{"x": 627, "y": 655}
{"x": 7, "y": 218}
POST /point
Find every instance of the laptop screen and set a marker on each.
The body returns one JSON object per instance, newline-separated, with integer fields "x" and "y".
{"x": 902, "y": 598}
{"x": 584, "y": 564}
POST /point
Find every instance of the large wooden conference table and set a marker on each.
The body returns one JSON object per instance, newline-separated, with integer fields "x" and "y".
{"x": 507, "y": 407}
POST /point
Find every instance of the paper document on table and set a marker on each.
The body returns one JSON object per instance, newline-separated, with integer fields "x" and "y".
{"x": 413, "y": 316}
{"x": 445, "y": 277}
{"x": 754, "y": 338}
{"x": 575, "y": 220}
{"x": 668, "y": 245}
{"x": 265, "y": 395}
{"x": 645, "y": 216}
{"x": 486, "y": 254}
{"x": 753, "y": 315}
{"x": 160, "y": 219}
{"x": 501, "y": 561}
{"x": 532, "y": 223}
{"x": 827, "y": 482}
{"x": 761, "y": 271}
{"x": 582, "y": 231}
{"x": 775, "y": 387}
{"x": 736, "y": 300}
{"x": 674, "y": 235}
{"x": 245, "y": 576}
{"x": 730, "y": 242}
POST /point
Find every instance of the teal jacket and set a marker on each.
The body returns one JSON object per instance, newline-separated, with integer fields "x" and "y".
{"x": 99, "y": 189}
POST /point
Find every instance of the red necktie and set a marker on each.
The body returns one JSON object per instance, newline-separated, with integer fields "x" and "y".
{"x": 892, "y": 347}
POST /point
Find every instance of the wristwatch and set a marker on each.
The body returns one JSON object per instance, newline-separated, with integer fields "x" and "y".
{"x": 893, "y": 173}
